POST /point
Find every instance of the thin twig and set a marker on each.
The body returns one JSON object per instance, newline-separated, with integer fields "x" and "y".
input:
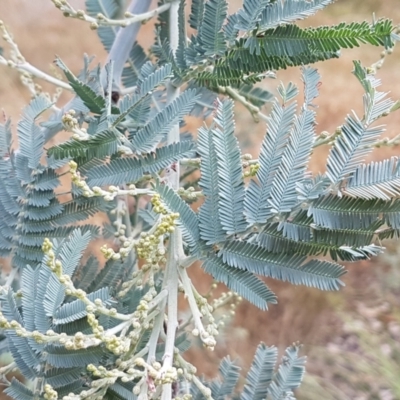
{"x": 254, "y": 110}
{"x": 102, "y": 20}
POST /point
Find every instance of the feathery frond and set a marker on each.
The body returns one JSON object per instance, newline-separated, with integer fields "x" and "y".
{"x": 210, "y": 225}
{"x": 211, "y": 36}
{"x": 257, "y": 195}
{"x": 31, "y": 138}
{"x": 289, "y": 375}
{"x": 260, "y": 374}
{"x": 125, "y": 170}
{"x": 249, "y": 17}
{"x": 377, "y": 180}
{"x": 93, "y": 101}
{"x": 230, "y": 174}
{"x": 230, "y": 374}
{"x": 352, "y": 213}
{"x": 282, "y": 12}
{"x": 292, "y": 268}
{"x": 98, "y": 146}
{"x": 350, "y": 148}
{"x": 245, "y": 283}
{"x": 196, "y": 14}
{"x": 147, "y": 138}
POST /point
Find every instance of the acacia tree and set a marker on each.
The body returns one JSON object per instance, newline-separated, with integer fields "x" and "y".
{"x": 78, "y": 331}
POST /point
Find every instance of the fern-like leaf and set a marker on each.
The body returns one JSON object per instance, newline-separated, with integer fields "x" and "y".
{"x": 244, "y": 283}
{"x": 260, "y": 374}
{"x": 99, "y": 146}
{"x": 60, "y": 357}
{"x": 18, "y": 391}
{"x": 377, "y": 180}
{"x": 209, "y": 219}
{"x": 147, "y": 138}
{"x": 257, "y": 195}
{"x": 230, "y": 375}
{"x": 230, "y": 174}
{"x": 292, "y": 268}
{"x": 124, "y": 170}
{"x": 31, "y": 137}
{"x": 291, "y": 41}
{"x": 250, "y": 15}
{"x": 289, "y": 375}
{"x": 93, "y": 101}
{"x": 196, "y": 14}
{"x": 350, "y": 213}
{"x": 282, "y": 12}
{"x": 211, "y": 35}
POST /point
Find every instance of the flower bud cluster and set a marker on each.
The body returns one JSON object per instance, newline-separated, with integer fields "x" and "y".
{"x": 226, "y": 298}
{"x": 189, "y": 193}
{"x": 51, "y": 262}
{"x": 78, "y": 181}
{"x": 71, "y": 124}
{"x": 50, "y": 393}
{"x": 148, "y": 243}
{"x": 186, "y": 396}
{"x": 208, "y": 333}
{"x": 252, "y": 171}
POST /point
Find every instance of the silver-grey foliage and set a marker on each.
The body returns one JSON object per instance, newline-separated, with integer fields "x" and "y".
{"x": 88, "y": 327}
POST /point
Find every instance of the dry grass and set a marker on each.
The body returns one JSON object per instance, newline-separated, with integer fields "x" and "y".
{"x": 302, "y": 314}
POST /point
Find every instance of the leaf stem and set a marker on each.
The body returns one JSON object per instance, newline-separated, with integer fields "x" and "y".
{"x": 234, "y": 95}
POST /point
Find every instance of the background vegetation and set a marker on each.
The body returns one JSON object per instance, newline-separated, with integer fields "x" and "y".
{"x": 360, "y": 325}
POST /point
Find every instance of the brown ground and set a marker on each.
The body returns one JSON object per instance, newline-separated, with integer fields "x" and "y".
{"x": 308, "y": 315}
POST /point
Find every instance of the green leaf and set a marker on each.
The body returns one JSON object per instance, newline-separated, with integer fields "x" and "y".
{"x": 230, "y": 374}
{"x": 18, "y": 391}
{"x": 376, "y": 104}
{"x": 255, "y": 95}
{"x": 93, "y": 101}
{"x": 146, "y": 86}
{"x": 147, "y": 138}
{"x": 290, "y": 40}
{"x": 324, "y": 242}
{"x": 57, "y": 377}
{"x": 351, "y": 148}
{"x": 292, "y": 268}
{"x": 59, "y": 356}
{"x": 98, "y": 146}
{"x": 348, "y": 213}
{"x": 76, "y": 309}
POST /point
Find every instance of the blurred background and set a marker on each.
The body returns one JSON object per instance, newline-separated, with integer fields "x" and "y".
{"x": 351, "y": 338}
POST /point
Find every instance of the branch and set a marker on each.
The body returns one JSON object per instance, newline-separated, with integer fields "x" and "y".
{"x": 175, "y": 247}
{"x": 386, "y": 142}
{"x": 124, "y": 41}
{"x": 102, "y": 20}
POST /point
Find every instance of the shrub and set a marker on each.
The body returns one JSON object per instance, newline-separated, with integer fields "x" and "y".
{"x": 78, "y": 331}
